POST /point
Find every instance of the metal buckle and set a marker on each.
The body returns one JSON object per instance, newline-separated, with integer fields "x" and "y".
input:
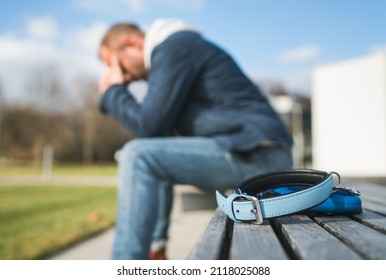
{"x": 256, "y": 207}
{"x": 339, "y": 187}
{"x": 346, "y": 189}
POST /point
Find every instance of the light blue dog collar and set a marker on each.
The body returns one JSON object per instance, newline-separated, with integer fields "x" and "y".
{"x": 248, "y": 203}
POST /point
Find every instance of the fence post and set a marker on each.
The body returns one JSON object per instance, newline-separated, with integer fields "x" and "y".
{"x": 48, "y": 155}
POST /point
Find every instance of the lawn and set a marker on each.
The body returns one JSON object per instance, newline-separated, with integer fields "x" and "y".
{"x": 37, "y": 221}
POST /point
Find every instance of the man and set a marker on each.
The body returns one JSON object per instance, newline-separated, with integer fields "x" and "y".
{"x": 226, "y": 129}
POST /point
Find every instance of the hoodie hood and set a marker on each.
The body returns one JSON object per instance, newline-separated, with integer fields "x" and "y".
{"x": 158, "y": 32}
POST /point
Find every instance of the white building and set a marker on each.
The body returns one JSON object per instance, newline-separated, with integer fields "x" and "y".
{"x": 349, "y": 117}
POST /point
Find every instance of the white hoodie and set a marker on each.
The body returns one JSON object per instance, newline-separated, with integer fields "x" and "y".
{"x": 158, "y": 32}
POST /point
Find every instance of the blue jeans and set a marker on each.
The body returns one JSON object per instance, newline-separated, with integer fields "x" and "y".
{"x": 148, "y": 169}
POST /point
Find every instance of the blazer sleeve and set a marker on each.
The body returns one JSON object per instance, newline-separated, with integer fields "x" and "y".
{"x": 169, "y": 83}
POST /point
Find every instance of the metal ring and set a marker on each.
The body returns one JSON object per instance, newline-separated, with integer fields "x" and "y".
{"x": 337, "y": 174}
{"x": 238, "y": 191}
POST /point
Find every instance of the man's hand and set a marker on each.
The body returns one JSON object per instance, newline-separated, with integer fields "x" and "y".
{"x": 113, "y": 75}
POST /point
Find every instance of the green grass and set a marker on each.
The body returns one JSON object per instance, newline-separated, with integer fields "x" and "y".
{"x": 37, "y": 221}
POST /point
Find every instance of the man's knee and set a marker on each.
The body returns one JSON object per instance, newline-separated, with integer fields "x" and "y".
{"x": 134, "y": 149}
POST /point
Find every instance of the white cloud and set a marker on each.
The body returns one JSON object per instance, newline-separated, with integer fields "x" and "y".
{"x": 136, "y": 6}
{"x": 91, "y": 4}
{"x": 24, "y": 51}
{"x": 86, "y": 38}
{"x": 298, "y": 54}
{"x": 103, "y": 5}
{"x": 186, "y": 4}
{"x": 74, "y": 53}
{"x": 42, "y": 27}
{"x": 378, "y": 48}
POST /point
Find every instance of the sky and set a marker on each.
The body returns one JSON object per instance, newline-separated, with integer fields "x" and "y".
{"x": 272, "y": 40}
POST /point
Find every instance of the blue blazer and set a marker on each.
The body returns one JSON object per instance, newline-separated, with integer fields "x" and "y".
{"x": 197, "y": 89}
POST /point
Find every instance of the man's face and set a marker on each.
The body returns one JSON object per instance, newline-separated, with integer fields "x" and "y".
{"x": 130, "y": 59}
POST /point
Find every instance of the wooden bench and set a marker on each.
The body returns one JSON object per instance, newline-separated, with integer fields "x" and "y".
{"x": 361, "y": 236}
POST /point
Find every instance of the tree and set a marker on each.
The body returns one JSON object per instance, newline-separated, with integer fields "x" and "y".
{"x": 102, "y": 136}
{"x": 44, "y": 90}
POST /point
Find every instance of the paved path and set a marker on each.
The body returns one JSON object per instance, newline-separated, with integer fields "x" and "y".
{"x": 64, "y": 180}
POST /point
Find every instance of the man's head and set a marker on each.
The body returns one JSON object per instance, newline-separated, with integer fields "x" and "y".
{"x": 125, "y": 42}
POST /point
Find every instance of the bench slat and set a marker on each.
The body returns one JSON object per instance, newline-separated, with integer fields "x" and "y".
{"x": 308, "y": 240}
{"x": 255, "y": 242}
{"x": 367, "y": 187}
{"x": 372, "y": 220}
{"x": 373, "y": 206}
{"x": 212, "y": 242}
{"x": 370, "y": 243}
{"x": 372, "y": 192}
{"x": 374, "y": 198}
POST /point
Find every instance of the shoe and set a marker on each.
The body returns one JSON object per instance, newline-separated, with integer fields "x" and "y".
{"x": 158, "y": 254}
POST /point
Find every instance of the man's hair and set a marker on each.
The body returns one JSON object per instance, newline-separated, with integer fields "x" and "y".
{"x": 116, "y": 31}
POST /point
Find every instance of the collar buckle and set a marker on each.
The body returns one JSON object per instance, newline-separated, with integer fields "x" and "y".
{"x": 256, "y": 207}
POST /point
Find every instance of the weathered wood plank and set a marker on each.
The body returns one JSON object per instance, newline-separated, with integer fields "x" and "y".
{"x": 369, "y": 243}
{"x": 373, "y": 206}
{"x": 255, "y": 242}
{"x": 373, "y": 197}
{"x": 376, "y": 193}
{"x": 308, "y": 240}
{"x": 368, "y": 187}
{"x": 211, "y": 243}
{"x": 372, "y": 220}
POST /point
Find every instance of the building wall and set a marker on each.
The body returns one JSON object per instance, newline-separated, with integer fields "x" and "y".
{"x": 349, "y": 117}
